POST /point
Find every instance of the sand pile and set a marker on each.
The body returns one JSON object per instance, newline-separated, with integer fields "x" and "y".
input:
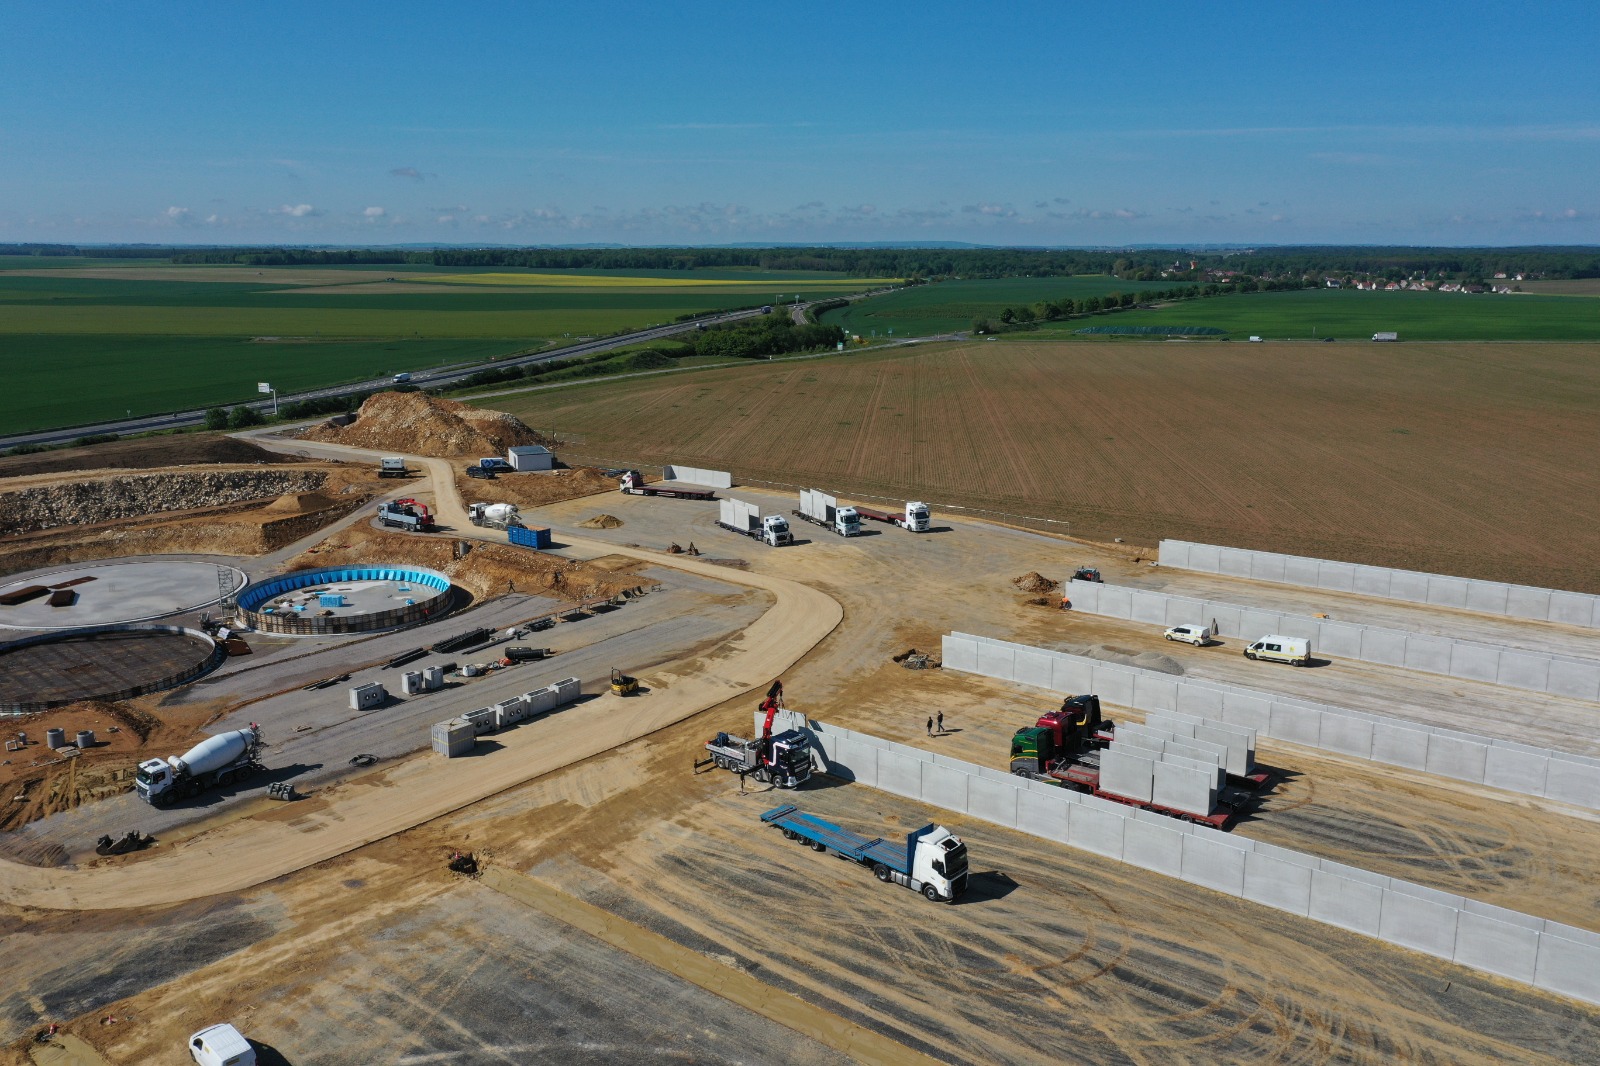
{"x": 299, "y": 503}
{"x": 1033, "y": 581}
{"x": 1144, "y": 660}
{"x": 601, "y": 521}
{"x": 417, "y": 422}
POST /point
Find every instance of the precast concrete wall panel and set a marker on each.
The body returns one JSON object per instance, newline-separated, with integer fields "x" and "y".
{"x": 1336, "y": 638}
{"x": 1516, "y": 770}
{"x": 1152, "y": 847}
{"x": 1399, "y": 746}
{"x": 1152, "y": 732}
{"x": 1385, "y": 646}
{"x": 1042, "y": 815}
{"x": 993, "y": 801}
{"x": 1126, "y": 774}
{"x": 959, "y": 654}
{"x": 1239, "y": 743}
{"x": 1294, "y": 723}
{"x": 1198, "y": 757}
{"x": 1340, "y": 577}
{"x": 1568, "y": 967}
{"x": 1524, "y": 670}
{"x": 1423, "y": 925}
{"x": 944, "y": 787}
{"x": 1453, "y": 757}
{"x": 1255, "y": 624}
{"x": 1214, "y": 773}
{"x": 1234, "y": 562}
{"x": 1475, "y": 662}
{"x": 899, "y": 774}
{"x": 1138, "y": 744}
{"x": 859, "y": 761}
{"x": 1033, "y": 667}
{"x": 1525, "y": 602}
{"x": 1447, "y": 591}
{"x": 1229, "y": 620}
{"x": 1408, "y": 585}
{"x": 1149, "y": 607}
{"x": 1208, "y": 556}
{"x": 1429, "y": 654}
{"x": 996, "y": 660}
{"x": 1184, "y": 789}
{"x": 1573, "y": 608}
{"x": 1277, "y": 883}
{"x": 1298, "y": 571}
{"x": 1158, "y": 720}
{"x": 1572, "y": 780}
{"x": 1371, "y": 581}
{"x": 1346, "y": 735}
{"x": 1248, "y": 712}
{"x": 1113, "y": 684}
{"x": 1097, "y": 826}
{"x": 1151, "y": 693}
{"x": 1071, "y": 676}
{"x": 1267, "y": 566}
{"x": 1200, "y": 700}
{"x": 1174, "y": 553}
{"x": 1210, "y": 861}
{"x": 1578, "y": 680}
{"x": 1489, "y": 597}
{"x": 1497, "y": 947}
{"x": 1353, "y": 905}
{"x": 1115, "y": 602}
{"x": 1085, "y": 595}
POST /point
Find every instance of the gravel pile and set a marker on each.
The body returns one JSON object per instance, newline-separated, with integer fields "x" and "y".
{"x": 431, "y": 425}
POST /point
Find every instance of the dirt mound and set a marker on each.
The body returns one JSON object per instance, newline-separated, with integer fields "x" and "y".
{"x": 299, "y": 503}
{"x": 602, "y": 521}
{"x": 1110, "y": 653}
{"x": 181, "y": 449}
{"x": 535, "y": 490}
{"x": 418, "y": 422}
{"x": 1035, "y": 582}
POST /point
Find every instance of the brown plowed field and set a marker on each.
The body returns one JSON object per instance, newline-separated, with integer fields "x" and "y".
{"x": 1471, "y": 459}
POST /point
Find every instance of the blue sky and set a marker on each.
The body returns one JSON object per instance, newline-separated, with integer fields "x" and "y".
{"x": 1050, "y": 123}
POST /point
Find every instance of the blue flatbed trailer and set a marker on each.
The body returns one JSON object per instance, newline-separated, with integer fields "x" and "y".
{"x": 895, "y": 861}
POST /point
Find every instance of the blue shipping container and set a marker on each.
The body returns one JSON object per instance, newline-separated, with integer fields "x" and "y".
{"x": 530, "y": 536}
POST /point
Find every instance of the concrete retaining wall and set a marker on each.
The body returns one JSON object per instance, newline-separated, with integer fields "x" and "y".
{"x": 1559, "y": 675}
{"x": 1482, "y": 760}
{"x": 1485, "y": 597}
{"x": 1548, "y": 955}
{"x": 694, "y": 475}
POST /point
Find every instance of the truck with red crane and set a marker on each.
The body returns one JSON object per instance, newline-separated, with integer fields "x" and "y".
{"x": 406, "y": 514}
{"x": 783, "y": 759}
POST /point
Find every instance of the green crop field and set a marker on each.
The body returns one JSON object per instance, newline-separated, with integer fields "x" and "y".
{"x": 953, "y": 305}
{"x": 84, "y": 340}
{"x": 1351, "y": 315}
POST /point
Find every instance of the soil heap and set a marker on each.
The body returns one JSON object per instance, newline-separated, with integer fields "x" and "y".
{"x": 431, "y": 425}
{"x": 1033, "y": 581}
{"x": 299, "y": 503}
{"x": 601, "y": 521}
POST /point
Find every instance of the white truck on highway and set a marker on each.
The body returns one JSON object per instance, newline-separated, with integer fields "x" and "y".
{"x": 494, "y": 515}
{"x": 215, "y": 761}
{"x": 745, "y": 519}
{"x": 818, "y": 508}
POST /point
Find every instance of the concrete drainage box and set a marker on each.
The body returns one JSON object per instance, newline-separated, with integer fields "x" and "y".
{"x": 365, "y": 697}
{"x": 453, "y": 738}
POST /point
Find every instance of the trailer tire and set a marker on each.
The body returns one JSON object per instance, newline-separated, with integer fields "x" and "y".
{"x": 817, "y": 845}
{"x": 881, "y": 872}
{"x": 931, "y": 892}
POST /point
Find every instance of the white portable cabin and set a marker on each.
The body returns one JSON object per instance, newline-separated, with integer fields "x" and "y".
{"x": 531, "y": 457}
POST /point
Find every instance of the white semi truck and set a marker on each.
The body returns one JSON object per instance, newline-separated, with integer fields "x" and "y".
{"x": 818, "y": 508}
{"x": 494, "y": 515}
{"x": 932, "y": 860}
{"x": 745, "y": 519}
{"x": 215, "y": 761}
{"x": 915, "y": 518}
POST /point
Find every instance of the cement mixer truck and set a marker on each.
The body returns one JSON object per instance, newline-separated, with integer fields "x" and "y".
{"x": 215, "y": 761}
{"x": 494, "y": 515}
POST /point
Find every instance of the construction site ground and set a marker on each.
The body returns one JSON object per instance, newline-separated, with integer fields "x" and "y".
{"x": 373, "y": 952}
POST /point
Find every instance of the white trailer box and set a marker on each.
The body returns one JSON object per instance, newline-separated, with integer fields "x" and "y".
{"x": 739, "y": 515}
{"x": 531, "y": 457}
{"x": 365, "y": 697}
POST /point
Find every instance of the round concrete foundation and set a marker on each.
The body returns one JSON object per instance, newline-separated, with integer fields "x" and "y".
{"x": 346, "y": 599}
{"x": 115, "y": 662}
{"x": 116, "y": 592}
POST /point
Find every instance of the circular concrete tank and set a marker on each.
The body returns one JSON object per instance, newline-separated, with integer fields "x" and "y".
{"x": 101, "y": 662}
{"x": 346, "y": 599}
{"x": 115, "y": 592}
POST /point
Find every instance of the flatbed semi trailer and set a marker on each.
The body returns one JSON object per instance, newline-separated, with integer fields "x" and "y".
{"x": 632, "y": 484}
{"x": 932, "y": 860}
{"x": 915, "y": 517}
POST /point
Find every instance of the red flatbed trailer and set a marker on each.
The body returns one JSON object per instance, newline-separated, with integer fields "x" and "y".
{"x": 878, "y": 516}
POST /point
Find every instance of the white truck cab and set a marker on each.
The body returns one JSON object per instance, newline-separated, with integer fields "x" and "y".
{"x": 1199, "y": 636}
{"x": 939, "y": 862}
{"x": 775, "y": 531}
{"x": 1276, "y": 648}
{"x": 916, "y": 519}
{"x": 221, "y": 1045}
{"x": 847, "y": 522}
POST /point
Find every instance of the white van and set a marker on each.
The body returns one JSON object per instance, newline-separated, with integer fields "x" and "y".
{"x": 221, "y": 1045}
{"x": 1199, "y": 636}
{"x": 1295, "y": 651}
{"x": 401, "y": 379}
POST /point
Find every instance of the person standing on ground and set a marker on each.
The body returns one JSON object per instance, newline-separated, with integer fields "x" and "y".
{"x": 941, "y": 721}
{"x": 930, "y": 727}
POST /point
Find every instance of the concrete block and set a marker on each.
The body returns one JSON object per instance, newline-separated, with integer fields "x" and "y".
{"x": 1071, "y": 675}
{"x": 1386, "y": 646}
{"x": 1408, "y": 585}
{"x": 1044, "y": 815}
{"x": 899, "y": 774}
{"x": 1428, "y": 654}
{"x": 1496, "y": 947}
{"x": 1153, "y": 847}
{"x": 1150, "y": 607}
{"x": 1124, "y": 773}
{"x": 854, "y": 760}
{"x": 1113, "y": 684}
{"x": 1154, "y": 693}
{"x": 993, "y": 801}
{"x": 1267, "y": 566}
{"x": 1475, "y": 662}
{"x": 1524, "y": 669}
{"x": 1573, "y": 780}
{"x": 1298, "y": 570}
{"x": 1515, "y": 770}
{"x": 1568, "y": 967}
{"x": 1573, "y": 608}
{"x": 1173, "y": 553}
{"x": 1235, "y": 562}
{"x": 1339, "y": 577}
{"x": 995, "y": 660}
{"x": 1200, "y": 701}
{"x": 944, "y": 787}
{"x": 1115, "y": 601}
{"x": 1338, "y": 639}
{"x": 1209, "y": 861}
{"x": 1346, "y": 735}
{"x": 1399, "y": 746}
{"x": 1447, "y": 591}
{"x": 959, "y": 654}
{"x": 1033, "y": 667}
{"x": 1183, "y": 789}
{"x": 1247, "y": 712}
{"x": 1525, "y": 602}
{"x": 1579, "y": 680}
{"x": 1490, "y": 597}
{"x": 1276, "y": 883}
{"x": 1097, "y": 826}
{"x": 1352, "y": 905}
{"x": 1455, "y": 757}
{"x": 1295, "y": 723}
{"x": 1424, "y": 925}
{"x": 1372, "y": 580}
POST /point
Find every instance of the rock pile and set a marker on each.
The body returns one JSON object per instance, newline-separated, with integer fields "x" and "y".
{"x": 104, "y": 499}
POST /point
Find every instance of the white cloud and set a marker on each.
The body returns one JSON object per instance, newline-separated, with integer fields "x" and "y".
{"x": 374, "y": 212}
{"x": 177, "y": 214}
{"x": 297, "y": 210}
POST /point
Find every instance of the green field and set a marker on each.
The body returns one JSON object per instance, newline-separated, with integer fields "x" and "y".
{"x": 953, "y": 305}
{"x": 1351, "y": 315}
{"x": 85, "y": 340}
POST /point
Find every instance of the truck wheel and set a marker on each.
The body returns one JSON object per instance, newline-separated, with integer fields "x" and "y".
{"x": 790, "y": 834}
{"x": 931, "y": 892}
{"x": 1250, "y": 655}
{"x": 817, "y": 845}
{"x": 882, "y": 872}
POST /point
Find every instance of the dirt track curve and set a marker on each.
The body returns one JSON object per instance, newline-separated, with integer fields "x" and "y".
{"x": 251, "y": 851}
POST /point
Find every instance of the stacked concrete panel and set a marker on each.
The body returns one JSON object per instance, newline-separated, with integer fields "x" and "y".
{"x": 1230, "y": 711}
{"x": 1561, "y": 675}
{"x": 1558, "y": 958}
{"x": 1127, "y": 771}
{"x": 454, "y": 738}
{"x": 1485, "y": 597}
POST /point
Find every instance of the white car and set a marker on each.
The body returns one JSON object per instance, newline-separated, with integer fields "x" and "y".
{"x": 1199, "y": 636}
{"x": 221, "y": 1045}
